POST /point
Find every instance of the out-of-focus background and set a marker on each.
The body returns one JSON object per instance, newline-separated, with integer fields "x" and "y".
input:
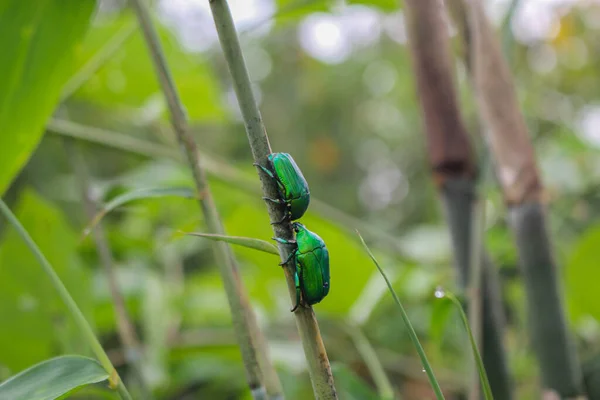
{"x": 336, "y": 90}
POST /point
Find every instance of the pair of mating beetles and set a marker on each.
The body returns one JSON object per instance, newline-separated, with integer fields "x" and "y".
{"x": 310, "y": 256}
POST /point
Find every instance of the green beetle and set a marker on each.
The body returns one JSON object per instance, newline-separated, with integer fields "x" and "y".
{"x": 292, "y": 187}
{"x": 311, "y": 259}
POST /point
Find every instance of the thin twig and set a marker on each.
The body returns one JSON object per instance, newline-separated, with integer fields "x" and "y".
{"x": 369, "y": 356}
{"x": 80, "y": 321}
{"x": 125, "y": 328}
{"x": 223, "y": 172}
{"x": 256, "y": 361}
{"x": 314, "y": 349}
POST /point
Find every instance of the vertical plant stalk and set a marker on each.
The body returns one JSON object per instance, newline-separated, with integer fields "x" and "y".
{"x": 249, "y": 337}
{"x": 519, "y": 178}
{"x": 369, "y": 356}
{"x": 127, "y": 334}
{"x": 454, "y": 173}
{"x": 314, "y": 349}
{"x": 474, "y": 288}
{"x": 86, "y": 331}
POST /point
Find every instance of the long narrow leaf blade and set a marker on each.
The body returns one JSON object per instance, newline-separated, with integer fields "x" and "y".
{"x": 52, "y": 379}
{"x": 487, "y": 390}
{"x": 140, "y": 194}
{"x": 251, "y": 243}
{"x": 411, "y": 331}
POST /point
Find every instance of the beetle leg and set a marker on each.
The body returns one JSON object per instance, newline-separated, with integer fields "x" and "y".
{"x": 285, "y": 218}
{"x": 284, "y": 241}
{"x": 287, "y": 260}
{"x": 278, "y": 201}
{"x": 265, "y": 170}
{"x": 297, "y": 284}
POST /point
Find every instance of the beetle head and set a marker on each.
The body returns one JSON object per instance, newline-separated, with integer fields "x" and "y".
{"x": 297, "y": 226}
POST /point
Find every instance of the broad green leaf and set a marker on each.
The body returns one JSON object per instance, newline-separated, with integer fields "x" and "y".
{"x": 251, "y": 243}
{"x": 36, "y": 324}
{"x": 140, "y": 194}
{"x": 52, "y": 379}
{"x": 38, "y": 39}
{"x": 582, "y": 274}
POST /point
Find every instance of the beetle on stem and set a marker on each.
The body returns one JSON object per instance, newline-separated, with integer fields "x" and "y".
{"x": 292, "y": 187}
{"x": 311, "y": 260}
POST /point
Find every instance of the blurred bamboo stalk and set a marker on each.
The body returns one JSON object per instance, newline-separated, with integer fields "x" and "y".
{"x": 314, "y": 349}
{"x": 454, "y": 172}
{"x": 127, "y": 334}
{"x": 519, "y": 178}
{"x": 259, "y": 369}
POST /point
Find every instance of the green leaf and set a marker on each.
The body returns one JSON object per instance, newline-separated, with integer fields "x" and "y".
{"x": 53, "y": 378}
{"x": 140, "y": 194}
{"x": 582, "y": 273}
{"x": 37, "y": 325}
{"x": 251, "y": 243}
{"x": 37, "y": 39}
{"x": 485, "y": 384}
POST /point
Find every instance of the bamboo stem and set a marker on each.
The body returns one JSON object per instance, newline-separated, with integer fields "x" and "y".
{"x": 127, "y": 335}
{"x": 453, "y": 169}
{"x": 474, "y": 288}
{"x": 86, "y": 330}
{"x": 256, "y": 361}
{"x": 519, "y": 178}
{"x": 314, "y": 349}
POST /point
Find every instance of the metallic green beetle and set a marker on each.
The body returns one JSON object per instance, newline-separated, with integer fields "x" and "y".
{"x": 311, "y": 259}
{"x": 292, "y": 187}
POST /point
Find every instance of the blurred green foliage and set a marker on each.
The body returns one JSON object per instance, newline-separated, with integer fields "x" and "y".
{"x": 354, "y": 126}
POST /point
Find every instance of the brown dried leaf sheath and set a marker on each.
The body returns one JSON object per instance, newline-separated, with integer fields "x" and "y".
{"x": 449, "y": 149}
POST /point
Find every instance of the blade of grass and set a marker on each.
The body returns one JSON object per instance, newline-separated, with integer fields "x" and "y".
{"x": 411, "y": 331}
{"x": 140, "y": 194}
{"x": 82, "y": 324}
{"x": 251, "y": 243}
{"x": 487, "y": 390}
